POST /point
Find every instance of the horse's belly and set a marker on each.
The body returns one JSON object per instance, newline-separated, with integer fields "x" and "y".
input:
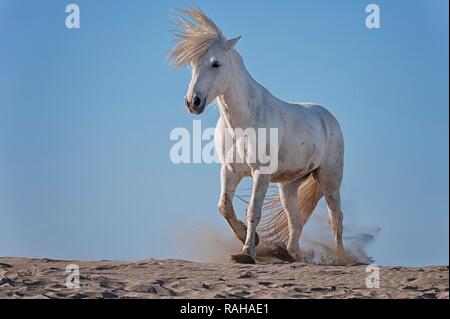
{"x": 297, "y": 160}
{"x": 289, "y": 175}
{"x": 292, "y": 172}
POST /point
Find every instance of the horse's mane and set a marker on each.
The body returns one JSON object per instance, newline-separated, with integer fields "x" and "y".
{"x": 196, "y": 34}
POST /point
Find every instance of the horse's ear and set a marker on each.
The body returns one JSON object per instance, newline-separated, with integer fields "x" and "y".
{"x": 231, "y": 43}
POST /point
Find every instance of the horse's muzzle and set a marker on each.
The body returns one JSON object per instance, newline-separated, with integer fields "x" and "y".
{"x": 196, "y": 105}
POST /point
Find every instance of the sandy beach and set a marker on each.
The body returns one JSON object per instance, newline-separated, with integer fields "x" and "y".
{"x": 45, "y": 278}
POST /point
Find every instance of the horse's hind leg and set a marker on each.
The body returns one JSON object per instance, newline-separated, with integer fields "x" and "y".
{"x": 336, "y": 224}
{"x": 229, "y": 183}
{"x": 289, "y": 201}
{"x": 329, "y": 175}
{"x": 329, "y": 178}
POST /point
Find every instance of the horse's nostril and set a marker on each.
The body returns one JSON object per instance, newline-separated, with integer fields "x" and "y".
{"x": 197, "y": 101}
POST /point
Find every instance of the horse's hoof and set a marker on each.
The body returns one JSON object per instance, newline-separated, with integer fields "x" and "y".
{"x": 242, "y": 259}
{"x": 281, "y": 253}
{"x": 256, "y": 234}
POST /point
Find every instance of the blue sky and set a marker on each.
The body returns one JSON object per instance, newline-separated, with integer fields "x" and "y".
{"x": 85, "y": 118}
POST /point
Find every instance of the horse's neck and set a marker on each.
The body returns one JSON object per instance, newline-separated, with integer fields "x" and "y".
{"x": 243, "y": 99}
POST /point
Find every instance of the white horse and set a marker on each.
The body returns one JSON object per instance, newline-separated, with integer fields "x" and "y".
{"x": 310, "y": 143}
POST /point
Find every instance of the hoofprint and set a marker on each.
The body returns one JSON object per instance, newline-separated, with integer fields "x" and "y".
{"x": 310, "y": 142}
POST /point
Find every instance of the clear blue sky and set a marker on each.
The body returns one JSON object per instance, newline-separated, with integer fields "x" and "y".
{"x": 85, "y": 117}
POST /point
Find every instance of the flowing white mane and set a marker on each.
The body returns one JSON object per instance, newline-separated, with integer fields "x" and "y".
{"x": 196, "y": 34}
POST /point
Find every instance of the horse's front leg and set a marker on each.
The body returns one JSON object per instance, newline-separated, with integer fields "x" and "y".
{"x": 260, "y": 185}
{"x": 229, "y": 181}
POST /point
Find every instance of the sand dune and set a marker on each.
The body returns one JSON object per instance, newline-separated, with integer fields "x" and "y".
{"x": 44, "y": 278}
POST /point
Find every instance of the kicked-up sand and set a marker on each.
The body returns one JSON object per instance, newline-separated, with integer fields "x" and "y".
{"x": 45, "y": 278}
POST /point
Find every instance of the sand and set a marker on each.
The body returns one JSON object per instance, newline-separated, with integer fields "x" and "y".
{"x": 45, "y": 278}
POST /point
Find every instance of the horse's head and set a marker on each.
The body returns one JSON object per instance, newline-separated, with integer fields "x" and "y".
{"x": 211, "y": 75}
{"x": 203, "y": 46}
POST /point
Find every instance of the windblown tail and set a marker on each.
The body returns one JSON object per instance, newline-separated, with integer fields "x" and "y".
{"x": 273, "y": 228}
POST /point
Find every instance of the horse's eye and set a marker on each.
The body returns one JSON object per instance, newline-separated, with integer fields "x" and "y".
{"x": 215, "y": 64}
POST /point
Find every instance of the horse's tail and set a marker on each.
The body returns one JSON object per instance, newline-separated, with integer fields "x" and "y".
{"x": 274, "y": 228}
